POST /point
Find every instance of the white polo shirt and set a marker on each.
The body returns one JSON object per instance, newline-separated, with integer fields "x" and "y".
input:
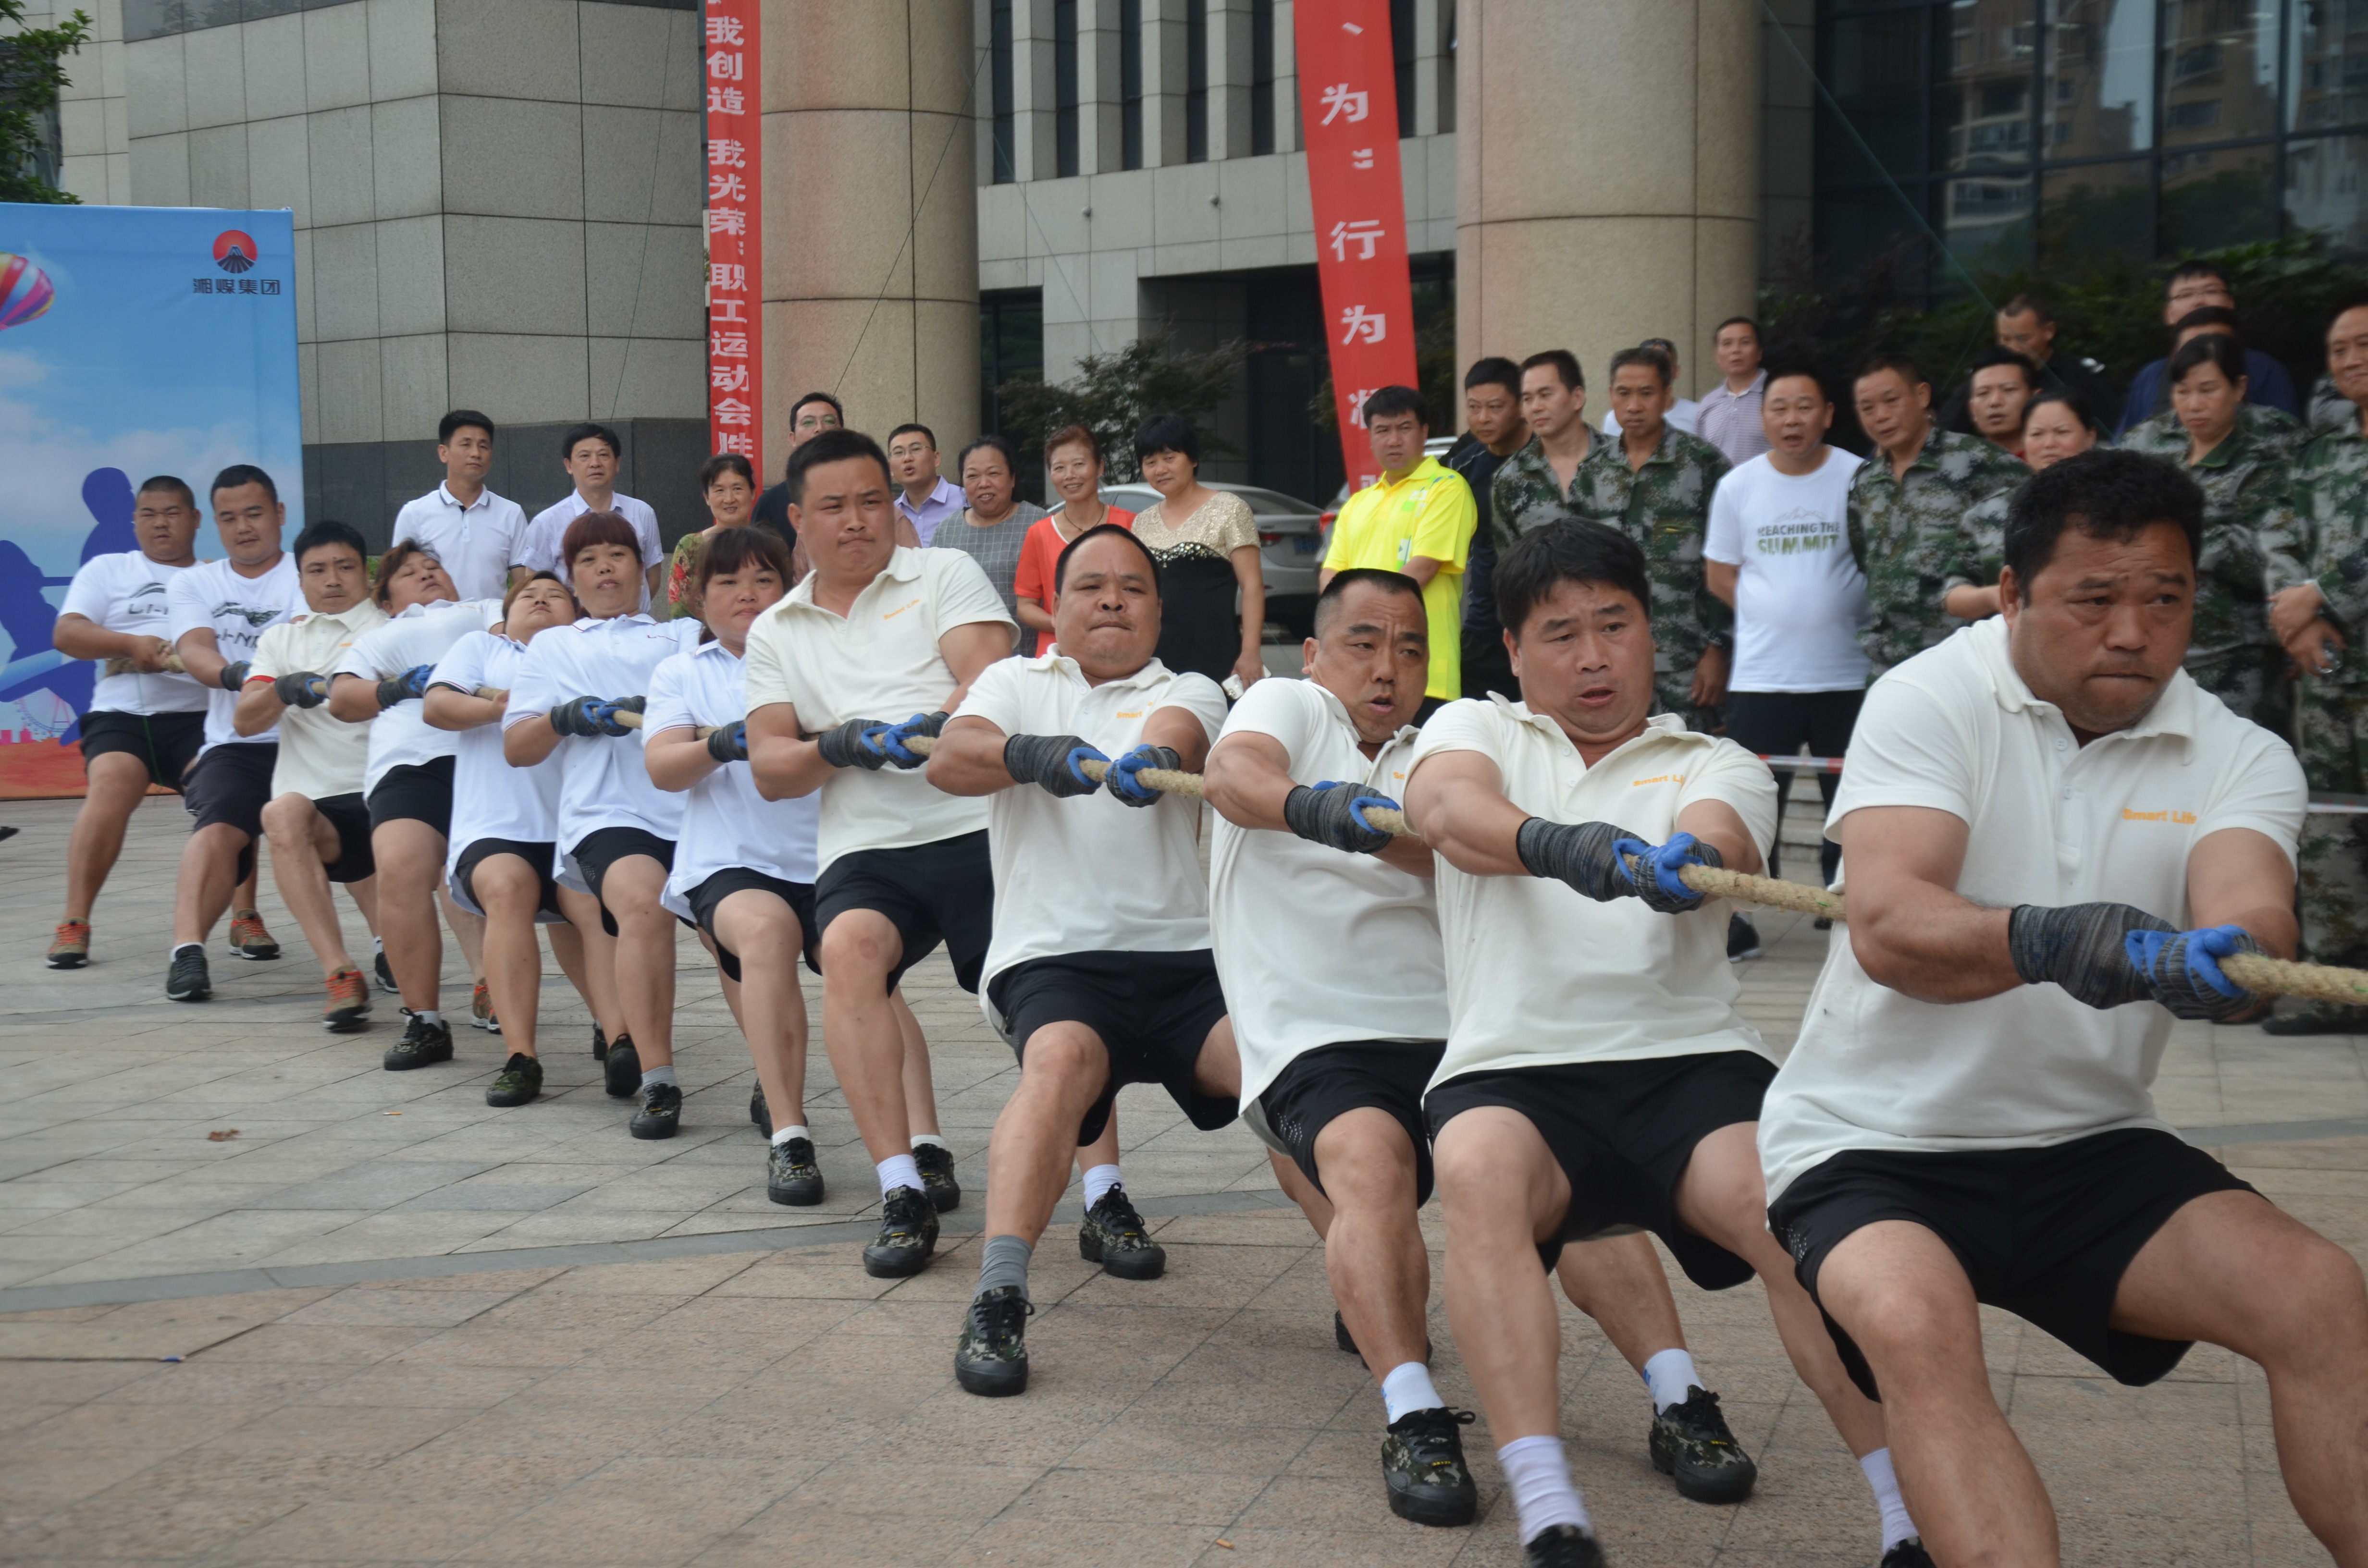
{"x": 1092, "y": 874}
{"x": 320, "y": 757}
{"x": 538, "y": 547}
{"x": 1538, "y": 973}
{"x": 725, "y": 824}
{"x": 490, "y": 798}
{"x": 400, "y": 736}
{"x": 237, "y": 608}
{"x": 879, "y": 660}
{"x": 478, "y": 543}
{"x": 127, "y": 593}
{"x": 603, "y": 780}
{"x": 1313, "y": 946}
{"x": 2051, "y": 822}
{"x": 1684, "y": 415}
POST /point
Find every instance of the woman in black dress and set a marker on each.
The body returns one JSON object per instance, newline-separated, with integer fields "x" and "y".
{"x": 1206, "y": 543}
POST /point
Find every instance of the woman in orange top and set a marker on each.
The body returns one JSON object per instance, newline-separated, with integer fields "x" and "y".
{"x": 1075, "y": 462}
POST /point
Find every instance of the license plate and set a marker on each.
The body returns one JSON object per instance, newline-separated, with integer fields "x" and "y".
{"x": 1305, "y": 544}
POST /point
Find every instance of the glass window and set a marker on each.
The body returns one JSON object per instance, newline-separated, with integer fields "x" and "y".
{"x": 1064, "y": 87}
{"x": 1402, "y": 42}
{"x": 1981, "y": 97}
{"x": 2323, "y": 190}
{"x": 1856, "y": 225}
{"x": 2219, "y": 70}
{"x": 1875, "y": 66}
{"x": 2228, "y": 196}
{"x": 999, "y": 85}
{"x": 2098, "y": 95}
{"x": 1130, "y": 83}
{"x": 1261, "y": 75}
{"x": 2329, "y": 84}
{"x": 1196, "y": 81}
{"x": 2098, "y": 209}
{"x": 1986, "y": 221}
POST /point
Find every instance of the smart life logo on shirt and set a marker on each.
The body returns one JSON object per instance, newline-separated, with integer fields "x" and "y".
{"x": 2184, "y": 818}
{"x": 1657, "y": 778}
{"x": 892, "y": 614}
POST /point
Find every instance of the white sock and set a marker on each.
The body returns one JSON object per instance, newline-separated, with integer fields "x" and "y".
{"x": 430, "y": 1016}
{"x": 178, "y": 946}
{"x": 783, "y": 1134}
{"x": 922, "y": 1139}
{"x": 1099, "y": 1179}
{"x": 1408, "y": 1388}
{"x": 898, "y": 1170}
{"x": 1543, "y": 1494}
{"x": 1896, "y": 1526}
{"x": 660, "y": 1075}
{"x": 378, "y": 944}
{"x": 1670, "y": 1375}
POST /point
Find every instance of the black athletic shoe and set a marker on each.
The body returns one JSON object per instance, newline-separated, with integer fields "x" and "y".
{"x": 2319, "y": 1020}
{"x": 519, "y": 1081}
{"x": 991, "y": 1357}
{"x": 623, "y": 1068}
{"x": 1909, "y": 1553}
{"x": 1822, "y": 923}
{"x": 1348, "y": 1343}
{"x": 791, "y": 1175}
{"x": 908, "y": 1234}
{"x": 423, "y": 1045}
{"x": 187, "y": 980}
{"x": 385, "y": 974}
{"x": 1112, "y": 1236}
{"x": 759, "y": 1112}
{"x": 1691, "y": 1445}
{"x": 1562, "y": 1546}
{"x": 660, "y": 1115}
{"x": 1742, "y": 939}
{"x": 599, "y": 1044}
{"x": 1422, "y": 1464}
{"x": 937, "y": 1163}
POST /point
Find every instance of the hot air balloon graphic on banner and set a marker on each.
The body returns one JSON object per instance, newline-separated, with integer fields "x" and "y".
{"x": 25, "y": 291}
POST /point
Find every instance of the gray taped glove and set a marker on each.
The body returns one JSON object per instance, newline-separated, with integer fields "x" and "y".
{"x": 2080, "y": 948}
{"x": 848, "y": 746}
{"x": 1051, "y": 761}
{"x": 1334, "y": 814}
{"x": 301, "y": 689}
{"x": 233, "y": 675}
{"x": 1586, "y": 855}
{"x": 730, "y": 742}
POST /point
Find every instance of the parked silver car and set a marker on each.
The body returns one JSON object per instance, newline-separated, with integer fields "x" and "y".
{"x": 1291, "y": 545}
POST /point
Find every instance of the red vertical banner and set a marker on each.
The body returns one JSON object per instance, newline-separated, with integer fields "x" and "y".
{"x": 736, "y": 225}
{"x": 1349, "y": 106}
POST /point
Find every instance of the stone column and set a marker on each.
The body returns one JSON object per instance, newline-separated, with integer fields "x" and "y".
{"x": 871, "y": 215}
{"x": 1607, "y": 179}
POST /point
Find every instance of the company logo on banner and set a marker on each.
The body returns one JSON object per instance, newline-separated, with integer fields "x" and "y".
{"x": 736, "y": 223}
{"x": 133, "y": 341}
{"x": 1348, "y": 104}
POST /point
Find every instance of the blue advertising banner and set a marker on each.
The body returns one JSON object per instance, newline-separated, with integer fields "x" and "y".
{"x": 134, "y": 341}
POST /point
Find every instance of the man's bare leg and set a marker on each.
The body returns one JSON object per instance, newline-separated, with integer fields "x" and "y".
{"x": 772, "y": 1008}
{"x": 1374, "y": 1250}
{"x": 861, "y": 1031}
{"x": 920, "y": 1092}
{"x": 410, "y": 855}
{"x": 595, "y": 974}
{"x": 209, "y": 874}
{"x": 1620, "y": 1283}
{"x": 118, "y": 783}
{"x": 645, "y": 968}
{"x": 468, "y": 930}
{"x": 512, "y": 891}
{"x": 303, "y": 842}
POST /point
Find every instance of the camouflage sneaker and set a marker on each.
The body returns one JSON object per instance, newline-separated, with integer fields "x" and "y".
{"x": 991, "y": 1358}
{"x": 423, "y": 1045}
{"x": 349, "y": 1002}
{"x": 70, "y": 945}
{"x": 759, "y": 1112}
{"x": 791, "y": 1175}
{"x": 1113, "y": 1236}
{"x": 937, "y": 1163}
{"x": 519, "y": 1081}
{"x": 1691, "y": 1444}
{"x": 908, "y": 1234}
{"x": 1422, "y": 1464}
{"x": 480, "y": 1009}
{"x": 248, "y": 939}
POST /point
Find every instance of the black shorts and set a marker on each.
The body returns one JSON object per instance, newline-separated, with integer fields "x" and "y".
{"x": 228, "y": 787}
{"x": 539, "y": 856}
{"x": 352, "y": 820}
{"x": 2044, "y": 1233}
{"x": 418, "y": 792}
{"x": 167, "y": 743}
{"x": 603, "y": 847}
{"x": 799, "y": 896}
{"x": 1622, "y": 1132}
{"x": 1153, "y": 1011}
{"x": 1332, "y": 1080}
{"x": 931, "y": 892}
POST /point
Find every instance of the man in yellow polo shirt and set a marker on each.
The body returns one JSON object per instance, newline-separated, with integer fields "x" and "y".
{"x": 1418, "y": 519}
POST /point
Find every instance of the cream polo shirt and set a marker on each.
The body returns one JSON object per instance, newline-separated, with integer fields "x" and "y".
{"x": 2053, "y": 823}
{"x": 879, "y": 660}
{"x": 1313, "y": 946}
{"x": 1539, "y": 974}
{"x": 1092, "y": 874}
{"x": 319, "y": 756}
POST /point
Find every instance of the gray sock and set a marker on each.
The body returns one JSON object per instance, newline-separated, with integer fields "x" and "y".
{"x": 659, "y": 1075}
{"x": 1004, "y": 1262}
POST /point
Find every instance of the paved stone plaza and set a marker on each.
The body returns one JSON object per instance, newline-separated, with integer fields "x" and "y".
{"x": 383, "y": 1323}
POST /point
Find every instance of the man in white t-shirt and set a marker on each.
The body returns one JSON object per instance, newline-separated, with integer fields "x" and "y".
{"x": 874, "y": 633}
{"x": 146, "y": 719}
{"x": 1778, "y": 553}
{"x": 318, "y": 822}
{"x": 590, "y": 454}
{"x": 1597, "y": 1074}
{"x": 1099, "y": 973}
{"x": 474, "y": 531}
{"x": 218, "y": 611}
{"x": 2051, "y": 836}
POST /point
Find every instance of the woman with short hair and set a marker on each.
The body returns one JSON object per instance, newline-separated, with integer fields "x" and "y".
{"x": 1207, "y": 546}
{"x": 1073, "y": 460}
{"x": 727, "y": 483}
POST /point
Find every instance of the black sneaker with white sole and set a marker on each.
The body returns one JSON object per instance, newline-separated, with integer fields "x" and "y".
{"x": 1742, "y": 939}
{"x": 423, "y": 1045}
{"x": 937, "y": 1163}
{"x": 1562, "y": 1546}
{"x": 599, "y": 1044}
{"x": 385, "y": 971}
{"x": 622, "y": 1069}
{"x": 1909, "y": 1553}
{"x": 519, "y": 1081}
{"x": 1422, "y": 1465}
{"x": 791, "y": 1175}
{"x": 187, "y": 980}
{"x": 759, "y": 1112}
{"x": 660, "y": 1115}
{"x": 991, "y": 1357}
{"x": 1691, "y": 1445}
{"x": 908, "y": 1234}
{"x": 1113, "y": 1236}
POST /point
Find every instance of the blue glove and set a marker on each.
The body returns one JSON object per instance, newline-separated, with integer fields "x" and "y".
{"x": 591, "y": 715}
{"x": 853, "y": 743}
{"x": 604, "y": 714}
{"x": 301, "y": 689}
{"x": 2183, "y": 970}
{"x": 1051, "y": 762}
{"x": 730, "y": 742}
{"x": 891, "y": 739}
{"x": 1334, "y": 814}
{"x": 1653, "y": 874}
{"x": 411, "y": 683}
{"x": 1121, "y": 779}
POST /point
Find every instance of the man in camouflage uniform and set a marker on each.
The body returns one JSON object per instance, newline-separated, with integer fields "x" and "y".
{"x": 1528, "y": 493}
{"x": 2317, "y": 576}
{"x": 1907, "y": 530}
{"x": 1660, "y": 498}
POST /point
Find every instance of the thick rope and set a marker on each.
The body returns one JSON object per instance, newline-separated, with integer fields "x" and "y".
{"x": 120, "y": 665}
